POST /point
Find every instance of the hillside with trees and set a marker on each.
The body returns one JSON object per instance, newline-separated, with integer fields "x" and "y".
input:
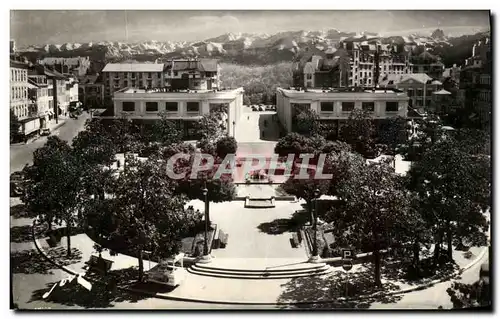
{"x": 259, "y": 82}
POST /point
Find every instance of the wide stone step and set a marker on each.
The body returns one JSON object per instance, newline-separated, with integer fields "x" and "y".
{"x": 261, "y": 269}
{"x": 262, "y": 275}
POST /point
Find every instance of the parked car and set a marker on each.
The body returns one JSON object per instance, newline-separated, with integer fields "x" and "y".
{"x": 16, "y": 184}
{"x": 169, "y": 272}
{"x": 254, "y": 108}
{"x": 261, "y": 108}
{"x": 45, "y": 131}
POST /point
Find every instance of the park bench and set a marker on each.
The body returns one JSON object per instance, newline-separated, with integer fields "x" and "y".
{"x": 223, "y": 237}
{"x": 99, "y": 264}
{"x": 295, "y": 240}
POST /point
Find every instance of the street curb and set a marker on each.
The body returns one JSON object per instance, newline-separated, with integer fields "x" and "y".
{"x": 185, "y": 299}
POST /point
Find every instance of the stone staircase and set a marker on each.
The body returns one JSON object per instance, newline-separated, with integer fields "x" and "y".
{"x": 256, "y": 268}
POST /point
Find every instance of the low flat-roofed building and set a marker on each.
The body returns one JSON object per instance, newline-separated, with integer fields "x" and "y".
{"x": 335, "y": 106}
{"x": 184, "y": 107}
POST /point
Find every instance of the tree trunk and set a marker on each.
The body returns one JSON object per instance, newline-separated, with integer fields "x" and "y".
{"x": 437, "y": 246}
{"x": 450, "y": 240}
{"x": 416, "y": 252}
{"x": 309, "y": 208}
{"x": 68, "y": 234}
{"x": 376, "y": 259}
{"x": 141, "y": 265}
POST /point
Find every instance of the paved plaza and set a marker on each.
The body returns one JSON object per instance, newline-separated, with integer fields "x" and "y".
{"x": 246, "y": 237}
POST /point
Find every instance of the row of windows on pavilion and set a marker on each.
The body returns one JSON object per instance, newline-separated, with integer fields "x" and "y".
{"x": 191, "y": 107}
{"x": 390, "y": 106}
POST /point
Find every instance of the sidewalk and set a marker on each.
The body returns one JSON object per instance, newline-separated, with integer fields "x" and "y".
{"x": 52, "y": 126}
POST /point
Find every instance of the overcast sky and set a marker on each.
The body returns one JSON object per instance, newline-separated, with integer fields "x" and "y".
{"x": 41, "y": 27}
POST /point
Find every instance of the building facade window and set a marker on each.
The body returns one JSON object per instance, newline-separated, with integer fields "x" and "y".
{"x": 128, "y": 106}
{"x": 347, "y": 106}
{"x": 193, "y": 107}
{"x": 151, "y": 106}
{"x": 368, "y": 106}
{"x": 391, "y": 106}
{"x": 171, "y": 107}
{"x": 326, "y": 106}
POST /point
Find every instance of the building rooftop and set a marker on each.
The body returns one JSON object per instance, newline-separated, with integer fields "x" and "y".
{"x": 442, "y": 92}
{"x": 133, "y": 67}
{"x": 203, "y": 65}
{"x": 393, "y": 79}
{"x": 353, "y": 90}
{"x": 130, "y": 90}
{"x": 65, "y": 61}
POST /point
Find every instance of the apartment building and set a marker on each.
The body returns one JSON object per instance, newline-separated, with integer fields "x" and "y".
{"x": 194, "y": 74}
{"x": 72, "y": 92}
{"x": 19, "y": 100}
{"x": 38, "y": 92}
{"x": 91, "y": 91}
{"x": 58, "y": 98}
{"x": 372, "y": 60}
{"x": 77, "y": 66}
{"x": 330, "y": 69}
{"x": 418, "y": 86}
{"x": 185, "y": 108}
{"x": 475, "y": 82}
{"x": 335, "y": 106}
{"x": 429, "y": 64}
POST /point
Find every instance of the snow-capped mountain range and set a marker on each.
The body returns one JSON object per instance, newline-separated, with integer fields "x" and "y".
{"x": 232, "y": 46}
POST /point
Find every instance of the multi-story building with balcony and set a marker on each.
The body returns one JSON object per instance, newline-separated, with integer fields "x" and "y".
{"x": 38, "y": 92}
{"x": 77, "y": 66}
{"x": 194, "y": 74}
{"x": 183, "y": 107}
{"x": 72, "y": 92}
{"x": 56, "y": 90}
{"x": 418, "y": 86}
{"x": 429, "y": 64}
{"x": 354, "y": 63}
{"x": 91, "y": 91}
{"x": 335, "y": 106}
{"x": 368, "y": 56}
{"x": 475, "y": 83}
{"x": 19, "y": 99}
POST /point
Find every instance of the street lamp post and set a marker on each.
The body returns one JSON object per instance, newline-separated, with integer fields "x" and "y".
{"x": 206, "y": 256}
{"x": 315, "y": 256}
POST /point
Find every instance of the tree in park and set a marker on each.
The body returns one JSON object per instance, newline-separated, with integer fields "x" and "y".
{"x": 465, "y": 296}
{"x": 359, "y": 132}
{"x": 454, "y": 189}
{"x": 306, "y": 122}
{"x": 226, "y": 145}
{"x": 146, "y": 213}
{"x": 14, "y": 126}
{"x": 374, "y": 197}
{"x": 53, "y": 191}
{"x": 305, "y": 188}
{"x": 164, "y": 131}
{"x": 220, "y": 189}
{"x": 295, "y": 143}
{"x": 94, "y": 146}
{"x": 212, "y": 126}
{"x": 393, "y": 132}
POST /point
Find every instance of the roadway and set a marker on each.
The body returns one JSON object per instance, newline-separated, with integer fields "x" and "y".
{"x": 22, "y": 154}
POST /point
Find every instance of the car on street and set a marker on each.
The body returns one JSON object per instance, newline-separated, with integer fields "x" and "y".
{"x": 255, "y": 108}
{"x": 16, "y": 184}
{"x": 45, "y": 131}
